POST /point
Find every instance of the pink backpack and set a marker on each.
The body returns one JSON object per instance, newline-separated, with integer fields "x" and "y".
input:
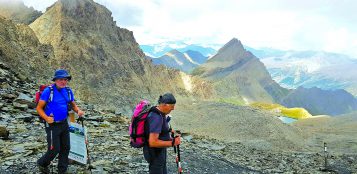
{"x": 137, "y": 125}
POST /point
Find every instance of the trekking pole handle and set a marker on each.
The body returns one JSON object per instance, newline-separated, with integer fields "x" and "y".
{"x": 173, "y": 140}
{"x": 80, "y": 119}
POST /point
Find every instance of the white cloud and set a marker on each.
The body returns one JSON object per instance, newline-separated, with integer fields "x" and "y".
{"x": 327, "y": 25}
{"x": 40, "y": 5}
{"x": 341, "y": 40}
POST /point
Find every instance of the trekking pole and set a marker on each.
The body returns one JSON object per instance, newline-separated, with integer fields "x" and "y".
{"x": 90, "y": 167}
{"x": 179, "y": 160}
{"x": 51, "y": 147}
{"x": 173, "y": 136}
{"x": 51, "y": 137}
{"x": 178, "y": 157}
{"x": 326, "y": 154}
{"x": 326, "y": 168}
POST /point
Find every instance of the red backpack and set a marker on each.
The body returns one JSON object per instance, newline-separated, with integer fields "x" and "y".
{"x": 40, "y": 91}
{"x": 38, "y": 96}
{"x": 138, "y": 137}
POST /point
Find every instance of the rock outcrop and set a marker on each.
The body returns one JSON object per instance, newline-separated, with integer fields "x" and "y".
{"x": 21, "y": 51}
{"x": 4, "y": 133}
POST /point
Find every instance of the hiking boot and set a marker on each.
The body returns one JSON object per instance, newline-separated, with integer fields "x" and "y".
{"x": 44, "y": 170}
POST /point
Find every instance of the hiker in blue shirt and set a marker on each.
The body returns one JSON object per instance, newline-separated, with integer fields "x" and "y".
{"x": 55, "y": 102}
{"x": 159, "y": 135}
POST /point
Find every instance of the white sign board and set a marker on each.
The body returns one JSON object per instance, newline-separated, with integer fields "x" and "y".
{"x": 78, "y": 150}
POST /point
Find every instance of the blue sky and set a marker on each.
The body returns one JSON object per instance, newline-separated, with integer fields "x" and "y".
{"x": 323, "y": 25}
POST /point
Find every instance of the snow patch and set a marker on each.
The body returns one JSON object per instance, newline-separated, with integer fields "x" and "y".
{"x": 190, "y": 59}
{"x": 246, "y": 101}
{"x": 150, "y": 55}
{"x": 187, "y": 82}
{"x": 175, "y": 58}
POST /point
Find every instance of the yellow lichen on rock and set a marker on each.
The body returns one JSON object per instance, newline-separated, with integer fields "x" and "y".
{"x": 296, "y": 113}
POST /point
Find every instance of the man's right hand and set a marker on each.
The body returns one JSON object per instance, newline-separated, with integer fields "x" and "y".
{"x": 49, "y": 120}
{"x": 177, "y": 141}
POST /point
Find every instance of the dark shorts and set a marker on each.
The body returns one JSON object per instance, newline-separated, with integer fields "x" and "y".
{"x": 156, "y": 157}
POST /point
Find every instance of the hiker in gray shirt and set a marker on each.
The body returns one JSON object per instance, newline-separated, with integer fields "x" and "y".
{"x": 159, "y": 135}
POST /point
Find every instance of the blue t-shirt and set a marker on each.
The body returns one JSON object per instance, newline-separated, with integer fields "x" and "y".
{"x": 58, "y": 105}
{"x": 158, "y": 123}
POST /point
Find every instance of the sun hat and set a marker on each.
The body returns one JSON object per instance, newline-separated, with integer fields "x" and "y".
{"x": 60, "y": 74}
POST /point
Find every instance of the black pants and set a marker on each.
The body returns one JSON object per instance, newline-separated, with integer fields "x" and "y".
{"x": 156, "y": 157}
{"x": 61, "y": 146}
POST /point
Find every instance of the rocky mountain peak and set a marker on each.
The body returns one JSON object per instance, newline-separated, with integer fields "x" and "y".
{"x": 78, "y": 17}
{"x": 231, "y": 52}
{"x": 251, "y": 80}
{"x": 87, "y": 12}
{"x": 233, "y": 43}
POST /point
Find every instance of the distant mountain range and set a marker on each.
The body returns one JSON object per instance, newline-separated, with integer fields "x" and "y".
{"x": 160, "y": 49}
{"x": 237, "y": 73}
{"x": 290, "y": 69}
{"x": 318, "y": 101}
{"x": 324, "y": 70}
{"x": 185, "y": 62}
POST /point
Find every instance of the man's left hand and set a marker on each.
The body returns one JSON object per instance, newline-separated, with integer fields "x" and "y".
{"x": 80, "y": 113}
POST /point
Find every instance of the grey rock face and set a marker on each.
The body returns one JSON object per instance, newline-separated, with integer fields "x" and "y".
{"x": 22, "y": 52}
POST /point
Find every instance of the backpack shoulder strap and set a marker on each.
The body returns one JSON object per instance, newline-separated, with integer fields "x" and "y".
{"x": 51, "y": 93}
{"x": 68, "y": 89}
{"x": 69, "y": 93}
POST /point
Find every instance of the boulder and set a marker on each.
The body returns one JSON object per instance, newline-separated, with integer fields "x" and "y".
{"x": 9, "y": 96}
{"x": 25, "y": 99}
{"x": 4, "y": 133}
{"x": 22, "y": 107}
{"x": 120, "y": 119}
{"x": 26, "y": 118}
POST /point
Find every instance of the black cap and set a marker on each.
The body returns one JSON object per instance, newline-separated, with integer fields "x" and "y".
{"x": 167, "y": 98}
